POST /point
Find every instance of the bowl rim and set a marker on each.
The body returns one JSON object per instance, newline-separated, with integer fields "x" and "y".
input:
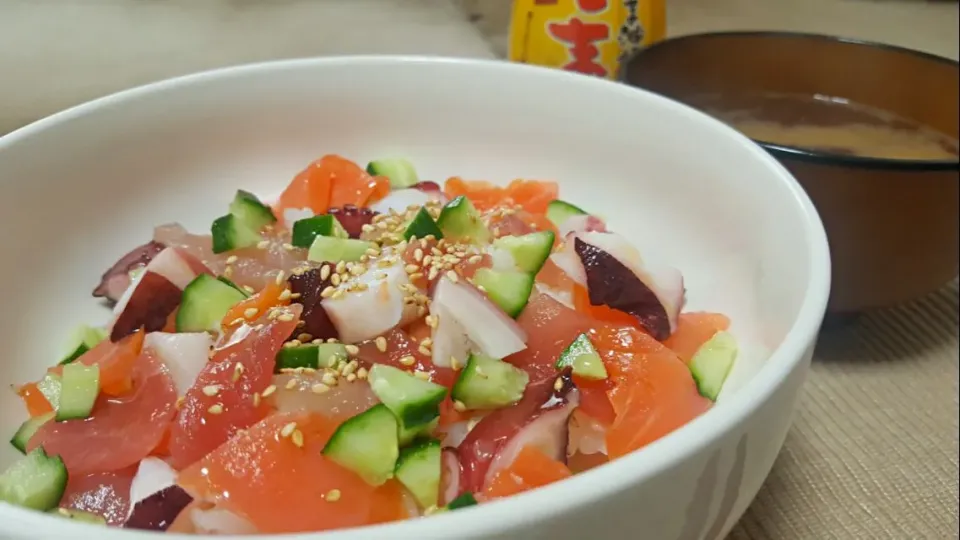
{"x": 804, "y": 154}
{"x": 586, "y": 488}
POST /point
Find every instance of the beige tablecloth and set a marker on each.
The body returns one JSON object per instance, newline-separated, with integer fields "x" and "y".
{"x": 873, "y": 451}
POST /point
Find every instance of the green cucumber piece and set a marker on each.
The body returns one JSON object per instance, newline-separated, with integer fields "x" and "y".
{"x": 35, "y": 481}
{"x": 331, "y": 249}
{"x": 529, "y": 251}
{"x": 509, "y": 290}
{"x": 51, "y": 387}
{"x": 418, "y": 469}
{"x": 79, "y": 515}
{"x": 204, "y": 303}
{"x": 422, "y": 226}
{"x": 559, "y": 211}
{"x": 712, "y": 363}
{"x": 234, "y": 285}
{"x": 583, "y": 358}
{"x": 249, "y": 210}
{"x": 413, "y": 401}
{"x": 408, "y": 435}
{"x": 462, "y": 501}
{"x": 367, "y": 444}
{"x": 81, "y": 385}
{"x": 27, "y": 429}
{"x": 460, "y": 220}
{"x": 314, "y": 356}
{"x": 488, "y": 383}
{"x": 230, "y": 233}
{"x": 82, "y": 340}
{"x": 241, "y": 227}
{"x": 400, "y": 171}
{"x": 305, "y": 230}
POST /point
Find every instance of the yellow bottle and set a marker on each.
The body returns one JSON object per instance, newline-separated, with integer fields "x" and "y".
{"x": 586, "y": 36}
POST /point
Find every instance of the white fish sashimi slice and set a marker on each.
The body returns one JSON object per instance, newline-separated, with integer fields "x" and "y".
{"x": 400, "y": 199}
{"x": 153, "y": 475}
{"x": 184, "y": 355}
{"x": 484, "y": 324}
{"x": 377, "y": 307}
{"x": 344, "y": 400}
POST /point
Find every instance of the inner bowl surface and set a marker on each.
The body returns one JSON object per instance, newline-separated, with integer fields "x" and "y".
{"x": 892, "y": 224}
{"x": 82, "y": 187}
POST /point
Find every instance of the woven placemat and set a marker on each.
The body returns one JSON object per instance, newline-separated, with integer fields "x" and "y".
{"x": 873, "y": 450}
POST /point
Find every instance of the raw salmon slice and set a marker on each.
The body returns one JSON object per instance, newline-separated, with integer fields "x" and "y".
{"x": 693, "y": 330}
{"x": 531, "y": 469}
{"x": 281, "y": 486}
{"x": 653, "y": 391}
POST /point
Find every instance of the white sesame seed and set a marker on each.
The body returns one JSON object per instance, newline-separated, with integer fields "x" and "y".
{"x": 237, "y": 371}
{"x": 288, "y": 247}
{"x": 250, "y": 312}
{"x": 228, "y": 271}
{"x": 256, "y": 399}
{"x": 319, "y": 388}
{"x": 285, "y": 294}
{"x": 332, "y": 496}
{"x": 381, "y": 343}
{"x": 268, "y": 390}
{"x": 290, "y": 384}
{"x": 327, "y": 292}
{"x": 216, "y": 408}
{"x": 335, "y": 279}
{"x": 211, "y": 390}
{"x": 287, "y": 429}
{"x": 231, "y": 259}
{"x": 422, "y": 375}
{"x": 352, "y": 349}
{"x": 329, "y": 379}
{"x": 454, "y": 363}
{"x": 459, "y": 406}
{"x": 324, "y": 271}
{"x": 362, "y": 373}
{"x": 337, "y": 294}
{"x": 286, "y": 317}
{"x": 297, "y": 438}
{"x": 558, "y": 384}
{"x": 408, "y": 360}
{"x": 432, "y": 321}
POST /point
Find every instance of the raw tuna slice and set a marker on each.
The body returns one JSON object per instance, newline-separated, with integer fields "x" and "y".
{"x": 222, "y": 400}
{"x": 120, "y": 430}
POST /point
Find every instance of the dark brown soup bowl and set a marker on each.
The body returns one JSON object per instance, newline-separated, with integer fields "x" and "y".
{"x": 893, "y": 224}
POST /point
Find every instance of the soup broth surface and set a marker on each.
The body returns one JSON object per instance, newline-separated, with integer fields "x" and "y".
{"x": 829, "y": 124}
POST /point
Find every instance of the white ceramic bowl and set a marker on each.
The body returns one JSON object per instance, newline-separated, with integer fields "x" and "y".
{"x": 80, "y": 188}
